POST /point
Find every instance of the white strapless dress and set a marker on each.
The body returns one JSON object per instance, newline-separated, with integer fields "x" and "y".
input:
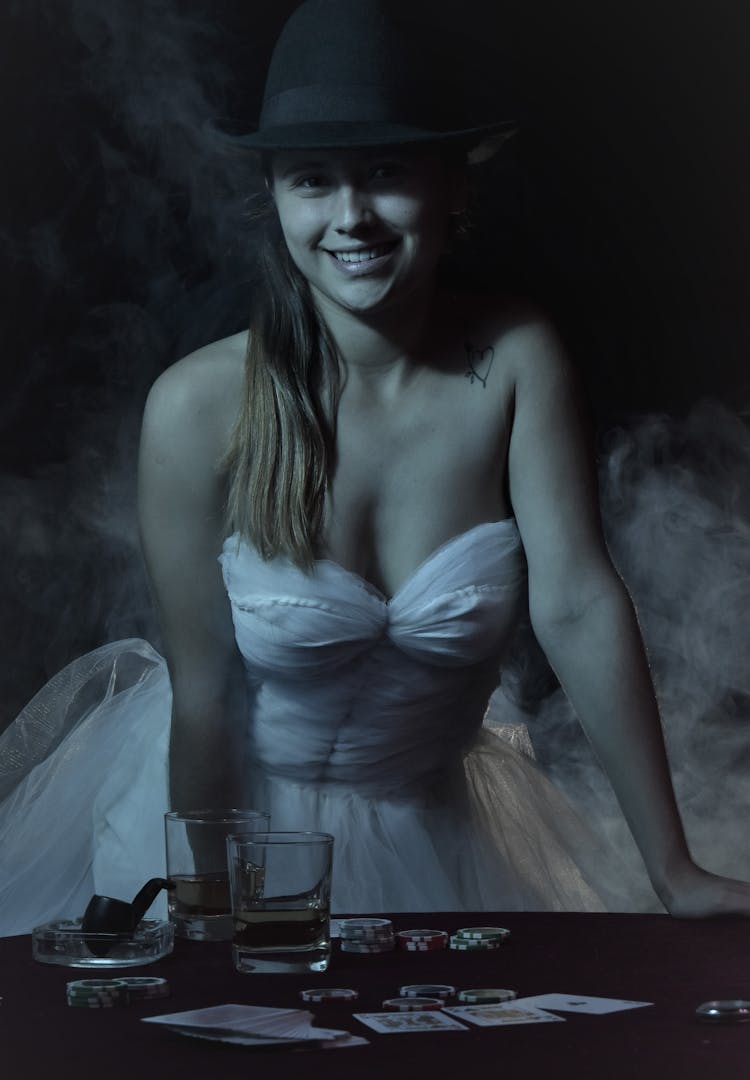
{"x": 365, "y": 721}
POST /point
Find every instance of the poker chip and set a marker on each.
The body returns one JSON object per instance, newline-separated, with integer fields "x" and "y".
{"x": 485, "y": 997}
{"x": 422, "y": 940}
{"x": 473, "y": 946}
{"x": 483, "y": 933}
{"x": 356, "y": 934}
{"x": 413, "y": 1004}
{"x": 734, "y": 1011}
{"x": 430, "y": 990}
{"x": 425, "y": 946}
{"x": 97, "y": 993}
{"x": 334, "y": 993}
{"x": 366, "y": 947}
{"x": 145, "y": 987}
{"x": 366, "y": 935}
{"x": 96, "y": 985}
{"x": 421, "y": 936}
{"x": 371, "y": 939}
{"x": 350, "y": 928}
{"x": 93, "y": 1004}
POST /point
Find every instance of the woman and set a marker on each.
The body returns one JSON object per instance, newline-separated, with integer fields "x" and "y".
{"x": 396, "y": 464}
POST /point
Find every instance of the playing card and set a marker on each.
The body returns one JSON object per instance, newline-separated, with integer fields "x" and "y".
{"x": 580, "y": 1003}
{"x": 390, "y": 1023}
{"x": 247, "y": 1024}
{"x": 497, "y": 1015}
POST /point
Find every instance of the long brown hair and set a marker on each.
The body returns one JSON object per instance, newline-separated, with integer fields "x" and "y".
{"x": 281, "y": 454}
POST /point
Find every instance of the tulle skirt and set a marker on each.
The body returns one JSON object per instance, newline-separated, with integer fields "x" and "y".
{"x": 83, "y": 784}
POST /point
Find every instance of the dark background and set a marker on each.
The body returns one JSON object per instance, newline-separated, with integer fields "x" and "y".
{"x": 621, "y": 205}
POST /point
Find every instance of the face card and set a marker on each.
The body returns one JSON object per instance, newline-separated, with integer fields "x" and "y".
{"x": 391, "y": 1023}
{"x": 512, "y": 1012}
{"x": 581, "y": 1003}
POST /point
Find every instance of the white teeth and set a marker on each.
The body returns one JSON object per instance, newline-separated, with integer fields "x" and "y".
{"x": 363, "y": 255}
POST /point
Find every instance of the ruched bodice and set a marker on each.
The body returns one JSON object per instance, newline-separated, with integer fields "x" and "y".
{"x": 364, "y": 720}
{"x": 351, "y": 688}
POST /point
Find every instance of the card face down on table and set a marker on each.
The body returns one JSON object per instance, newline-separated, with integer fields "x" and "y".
{"x": 580, "y": 1003}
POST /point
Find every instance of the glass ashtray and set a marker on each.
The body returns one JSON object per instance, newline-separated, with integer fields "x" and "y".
{"x": 64, "y": 942}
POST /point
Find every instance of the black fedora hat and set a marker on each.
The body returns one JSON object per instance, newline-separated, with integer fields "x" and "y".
{"x": 347, "y": 73}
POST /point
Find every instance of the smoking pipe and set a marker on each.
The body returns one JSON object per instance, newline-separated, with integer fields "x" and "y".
{"x": 104, "y": 915}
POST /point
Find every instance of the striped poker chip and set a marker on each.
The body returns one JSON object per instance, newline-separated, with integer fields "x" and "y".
{"x": 366, "y": 935}
{"x": 145, "y": 987}
{"x": 366, "y": 932}
{"x": 474, "y": 946}
{"x": 97, "y": 985}
{"x": 413, "y": 1004}
{"x": 115, "y": 995}
{"x": 376, "y": 943}
{"x": 425, "y": 946}
{"x": 92, "y": 996}
{"x": 368, "y": 939}
{"x": 483, "y": 933}
{"x": 96, "y": 999}
{"x": 332, "y": 993}
{"x": 93, "y": 1004}
{"x": 365, "y": 947}
{"x": 486, "y": 997}
{"x": 424, "y": 936}
{"x": 352, "y": 927}
{"x": 430, "y": 990}
{"x": 97, "y": 993}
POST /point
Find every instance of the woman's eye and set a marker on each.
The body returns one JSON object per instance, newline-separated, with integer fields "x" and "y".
{"x": 385, "y": 172}
{"x": 310, "y": 183}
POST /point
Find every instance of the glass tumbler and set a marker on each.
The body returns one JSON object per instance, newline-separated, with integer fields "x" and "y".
{"x": 199, "y": 905}
{"x": 280, "y": 886}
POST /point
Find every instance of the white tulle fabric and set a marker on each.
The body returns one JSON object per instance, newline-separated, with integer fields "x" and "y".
{"x": 365, "y": 721}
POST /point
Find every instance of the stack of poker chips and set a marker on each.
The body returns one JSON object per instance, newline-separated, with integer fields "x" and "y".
{"x": 145, "y": 987}
{"x": 430, "y": 990}
{"x": 414, "y": 997}
{"x": 425, "y": 996}
{"x": 329, "y": 994}
{"x": 367, "y": 936}
{"x": 422, "y": 940}
{"x": 476, "y": 938}
{"x": 482, "y": 996}
{"x": 420, "y": 997}
{"x": 413, "y": 1004}
{"x": 97, "y": 993}
{"x": 106, "y": 993}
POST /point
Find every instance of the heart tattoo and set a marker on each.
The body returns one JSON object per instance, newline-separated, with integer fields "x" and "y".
{"x": 479, "y": 359}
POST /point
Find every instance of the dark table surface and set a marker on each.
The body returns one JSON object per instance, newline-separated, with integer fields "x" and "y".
{"x": 674, "y": 964}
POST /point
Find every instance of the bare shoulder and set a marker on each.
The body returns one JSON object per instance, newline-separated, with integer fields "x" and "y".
{"x": 203, "y": 387}
{"x": 193, "y": 405}
{"x": 524, "y": 338}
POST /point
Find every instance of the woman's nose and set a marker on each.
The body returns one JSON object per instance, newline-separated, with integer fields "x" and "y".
{"x": 352, "y": 208}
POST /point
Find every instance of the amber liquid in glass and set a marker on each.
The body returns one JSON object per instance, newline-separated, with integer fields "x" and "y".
{"x": 295, "y": 939}
{"x": 200, "y": 906}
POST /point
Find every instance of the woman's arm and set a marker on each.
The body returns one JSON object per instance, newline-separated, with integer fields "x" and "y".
{"x": 585, "y": 622}
{"x": 186, "y": 424}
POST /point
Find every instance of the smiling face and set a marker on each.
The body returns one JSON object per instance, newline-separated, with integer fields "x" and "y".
{"x": 366, "y": 227}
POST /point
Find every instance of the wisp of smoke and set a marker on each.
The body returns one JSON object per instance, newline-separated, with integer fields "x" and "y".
{"x": 676, "y": 508}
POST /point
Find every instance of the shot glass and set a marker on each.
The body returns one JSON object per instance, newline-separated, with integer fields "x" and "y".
{"x": 199, "y": 905}
{"x": 281, "y": 896}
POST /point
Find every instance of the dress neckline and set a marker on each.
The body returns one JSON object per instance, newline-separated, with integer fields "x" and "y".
{"x": 368, "y": 586}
